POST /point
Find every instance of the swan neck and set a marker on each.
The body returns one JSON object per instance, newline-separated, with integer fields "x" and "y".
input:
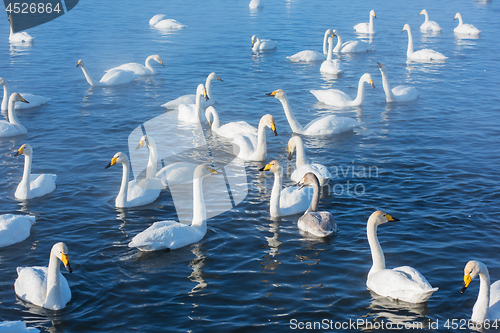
{"x": 361, "y": 92}
{"x": 5, "y": 99}
{"x": 325, "y": 42}
{"x": 148, "y": 64}
{"x": 330, "y": 51}
{"x": 256, "y": 45}
{"x": 54, "y": 293}
{"x": 121, "y": 198}
{"x": 426, "y": 17}
{"x": 153, "y": 157}
{"x": 370, "y": 25}
{"x": 199, "y": 211}
{"x": 294, "y": 124}
{"x": 261, "y": 150}
{"x": 389, "y": 96}
{"x": 25, "y": 184}
{"x": 300, "y": 155}
{"x": 376, "y": 250}
{"x": 460, "y": 20}
{"x": 313, "y": 207}
{"x": 89, "y": 77}
{"x": 274, "y": 203}
{"x": 12, "y": 112}
{"x": 480, "y": 309}
{"x": 339, "y": 44}
{"x": 215, "y": 120}
{"x": 197, "y": 106}
{"x": 409, "y": 52}
{"x": 208, "y": 85}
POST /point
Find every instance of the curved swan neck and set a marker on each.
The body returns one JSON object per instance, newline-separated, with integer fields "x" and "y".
{"x": 376, "y": 250}
{"x": 460, "y": 20}
{"x": 313, "y": 207}
{"x": 261, "y": 149}
{"x": 409, "y": 52}
{"x": 300, "y": 153}
{"x": 152, "y": 158}
{"x": 480, "y": 310}
{"x": 256, "y": 45}
{"x": 25, "y": 184}
{"x": 294, "y": 124}
{"x": 215, "y": 119}
{"x": 89, "y": 77}
{"x": 274, "y": 203}
{"x": 54, "y": 292}
{"x": 12, "y": 112}
{"x": 325, "y": 41}
{"x": 5, "y": 99}
{"x": 208, "y": 85}
{"x": 389, "y": 96}
{"x": 121, "y": 198}
{"x": 330, "y": 49}
{"x": 197, "y": 106}
{"x": 361, "y": 92}
{"x": 338, "y": 47}
{"x": 199, "y": 210}
{"x": 148, "y": 63}
{"x": 426, "y": 17}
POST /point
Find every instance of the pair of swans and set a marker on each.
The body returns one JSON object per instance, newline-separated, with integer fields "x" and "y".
{"x": 160, "y": 22}
{"x": 339, "y": 98}
{"x": 424, "y": 55}
{"x": 46, "y": 286}
{"x": 251, "y": 147}
{"x": 191, "y": 113}
{"x": 331, "y": 66}
{"x": 229, "y": 130}
{"x": 309, "y": 55}
{"x": 351, "y": 46}
{"x": 397, "y": 94}
{"x": 366, "y": 28}
{"x": 172, "y": 234}
{"x": 14, "y": 228}
{"x": 35, "y": 100}
{"x": 429, "y": 26}
{"x": 191, "y": 99}
{"x": 12, "y": 127}
{"x": 326, "y": 125}
{"x": 262, "y": 44}
{"x": 464, "y": 28}
{"x": 33, "y": 185}
{"x": 295, "y": 144}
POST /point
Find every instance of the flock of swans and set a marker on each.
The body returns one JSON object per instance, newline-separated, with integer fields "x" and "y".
{"x": 47, "y": 287}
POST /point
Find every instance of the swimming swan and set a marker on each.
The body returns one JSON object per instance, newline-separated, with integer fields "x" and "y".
{"x": 325, "y": 125}
{"x": 302, "y": 167}
{"x": 253, "y": 147}
{"x": 254, "y": 4}
{"x": 424, "y": 55}
{"x": 160, "y": 22}
{"x": 112, "y": 77}
{"x": 308, "y": 55}
{"x": 191, "y": 99}
{"x": 403, "y": 283}
{"x": 45, "y": 286}
{"x": 352, "y": 46}
{"x": 33, "y": 185}
{"x": 14, "y": 228}
{"x": 262, "y": 44}
{"x": 429, "y": 26}
{"x": 366, "y": 28}
{"x": 12, "y": 127}
{"x": 172, "y": 234}
{"x": 487, "y": 306}
{"x": 139, "y": 69}
{"x": 288, "y": 201}
{"x": 131, "y": 194}
{"x": 320, "y": 224}
{"x": 464, "y": 28}
{"x": 229, "y": 130}
{"x": 35, "y": 100}
{"x": 339, "y": 98}
{"x": 191, "y": 113}
{"x": 399, "y": 93}
{"x": 331, "y": 66}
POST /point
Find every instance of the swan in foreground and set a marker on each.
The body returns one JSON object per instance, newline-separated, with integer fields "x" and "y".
{"x": 302, "y": 167}
{"x": 33, "y": 185}
{"x": 325, "y": 125}
{"x": 254, "y": 4}
{"x": 487, "y": 306}
{"x": 424, "y": 55}
{"x": 399, "y": 93}
{"x": 45, "y": 286}
{"x": 308, "y": 55}
{"x": 172, "y": 234}
{"x": 352, "y": 46}
{"x": 464, "y": 28}
{"x": 288, "y": 201}
{"x": 404, "y": 283}
{"x": 191, "y": 99}
{"x": 263, "y": 44}
{"x": 132, "y": 194}
{"x": 16, "y": 327}
{"x": 14, "y": 228}
{"x": 339, "y": 98}
{"x": 160, "y": 22}
{"x": 320, "y": 224}
{"x": 113, "y": 77}
{"x": 191, "y": 113}
{"x": 146, "y": 69}
{"x": 251, "y": 147}
{"x": 429, "y": 26}
{"x": 229, "y": 130}
{"x": 35, "y": 100}
{"x": 331, "y": 66}
{"x": 366, "y": 28}
{"x": 12, "y": 127}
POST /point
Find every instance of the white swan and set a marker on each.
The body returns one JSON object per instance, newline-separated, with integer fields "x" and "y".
{"x": 172, "y": 234}
{"x": 112, "y": 77}
{"x": 12, "y": 127}
{"x": 254, "y": 4}
{"x": 352, "y": 46}
{"x": 487, "y": 306}
{"x": 14, "y": 228}
{"x": 229, "y": 130}
{"x": 19, "y": 38}
{"x": 132, "y": 194}
{"x": 320, "y": 224}
{"x": 191, "y": 99}
{"x": 429, "y": 26}
{"x": 33, "y": 185}
{"x": 331, "y": 66}
{"x": 308, "y": 55}
{"x": 16, "y": 327}
{"x": 146, "y": 69}
{"x": 424, "y": 55}
{"x": 339, "y": 98}
{"x": 35, "y": 100}
{"x": 160, "y": 22}
{"x": 399, "y": 93}
{"x": 45, "y": 286}
{"x": 302, "y": 167}
{"x": 288, "y": 201}
{"x": 191, "y": 113}
{"x": 464, "y": 28}
{"x": 253, "y": 147}
{"x": 366, "y": 28}
{"x": 403, "y": 283}
{"x": 263, "y": 44}
{"x": 325, "y": 125}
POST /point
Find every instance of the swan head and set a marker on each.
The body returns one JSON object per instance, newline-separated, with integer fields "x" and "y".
{"x": 16, "y": 97}
{"x": 209, "y": 112}
{"x": 2, "y": 81}
{"x": 202, "y": 91}
{"x": 144, "y": 141}
{"x": 203, "y": 170}
{"x": 60, "y": 250}
{"x": 368, "y": 78}
{"x": 381, "y": 67}
{"x": 157, "y": 58}
{"x": 25, "y": 149}
{"x": 279, "y": 94}
{"x": 372, "y": 13}
{"x": 406, "y": 27}
{"x": 118, "y": 158}
{"x": 458, "y": 15}
{"x": 273, "y": 166}
{"x": 309, "y": 179}
{"x": 423, "y": 12}
{"x": 254, "y": 39}
{"x": 214, "y": 76}
{"x": 80, "y": 63}
{"x": 379, "y": 217}
{"x": 292, "y": 144}
{"x": 471, "y": 271}
{"x": 335, "y": 33}
{"x": 329, "y": 32}
{"x": 268, "y": 120}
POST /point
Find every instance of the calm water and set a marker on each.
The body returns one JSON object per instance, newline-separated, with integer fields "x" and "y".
{"x": 434, "y": 165}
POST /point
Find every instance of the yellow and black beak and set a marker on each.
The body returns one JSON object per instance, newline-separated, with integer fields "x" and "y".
{"x": 78, "y": 64}
{"x": 272, "y": 94}
{"x": 205, "y": 95}
{"x": 403, "y": 29}
{"x": 467, "y": 280}
{"x": 379, "y": 65}
{"x": 266, "y": 168}
{"x": 273, "y": 128}
{"x": 23, "y": 100}
{"x": 371, "y": 83}
{"x": 161, "y": 63}
{"x": 290, "y": 154}
{"x": 113, "y": 162}
{"x": 218, "y": 78}
{"x": 65, "y": 261}
{"x": 375, "y": 16}
{"x": 390, "y": 218}
{"x": 141, "y": 144}
{"x": 20, "y": 151}
{"x": 214, "y": 172}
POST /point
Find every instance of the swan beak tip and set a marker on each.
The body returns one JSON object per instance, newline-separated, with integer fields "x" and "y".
{"x": 113, "y": 162}
{"x": 267, "y": 167}
{"x": 467, "y": 280}
{"x": 290, "y": 155}
{"x": 271, "y": 94}
{"x": 218, "y": 78}
{"x": 19, "y": 152}
{"x": 391, "y": 218}
{"x": 68, "y": 268}
{"x": 140, "y": 145}
{"x": 463, "y": 289}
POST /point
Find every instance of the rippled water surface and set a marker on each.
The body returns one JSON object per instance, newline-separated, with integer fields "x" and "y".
{"x": 432, "y": 163}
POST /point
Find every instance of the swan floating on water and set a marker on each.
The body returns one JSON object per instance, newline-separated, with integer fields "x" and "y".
{"x": 263, "y": 44}
{"x": 302, "y": 167}
{"x": 14, "y": 228}
{"x": 35, "y": 100}
{"x": 229, "y": 130}
{"x": 146, "y": 69}
{"x": 331, "y": 66}
{"x": 429, "y": 26}
{"x": 191, "y": 113}
{"x": 45, "y": 286}
{"x": 352, "y": 46}
{"x": 424, "y": 55}
{"x": 366, "y": 28}
{"x": 191, "y": 99}
{"x": 254, "y": 4}
{"x": 160, "y": 22}
{"x": 464, "y": 28}
{"x": 339, "y": 98}
{"x": 253, "y": 147}
{"x": 397, "y": 94}
{"x": 112, "y": 77}
{"x": 309, "y": 55}
{"x": 12, "y": 127}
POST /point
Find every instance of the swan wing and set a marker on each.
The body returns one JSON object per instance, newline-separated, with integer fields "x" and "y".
{"x": 467, "y": 29}
{"x": 115, "y": 77}
{"x": 230, "y": 130}
{"x": 354, "y": 46}
{"x": 7, "y": 129}
{"x": 405, "y": 93}
{"x": 247, "y": 144}
{"x": 185, "y": 99}
{"x": 169, "y": 24}
{"x": 319, "y": 170}
{"x": 133, "y": 67}
{"x": 138, "y": 195}
{"x": 176, "y": 173}
{"x": 430, "y": 26}
{"x": 363, "y": 28}
{"x": 427, "y": 55}
{"x": 333, "y": 97}
{"x": 494, "y": 310}
{"x": 331, "y": 124}
{"x": 34, "y": 101}
{"x": 42, "y": 184}
{"x": 307, "y": 56}
{"x": 14, "y": 228}
{"x": 267, "y": 44}
{"x": 31, "y": 284}
{"x": 320, "y": 224}
{"x": 295, "y": 201}
{"x": 165, "y": 235}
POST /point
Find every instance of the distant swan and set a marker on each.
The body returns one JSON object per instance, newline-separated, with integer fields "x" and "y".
{"x": 160, "y": 22}
{"x": 331, "y": 66}
{"x": 262, "y": 44}
{"x": 191, "y": 99}
{"x": 464, "y": 28}
{"x": 404, "y": 283}
{"x": 251, "y": 147}
{"x": 366, "y": 28}
{"x": 339, "y": 98}
{"x": 399, "y": 93}
{"x": 429, "y": 26}
{"x": 229, "y": 130}
{"x": 14, "y": 229}
{"x": 424, "y": 55}
{"x": 35, "y": 100}
{"x": 254, "y": 4}
{"x": 326, "y": 125}
{"x": 191, "y": 113}
{"x": 12, "y": 127}
{"x": 112, "y": 77}
{"x": 139, "y": 69}
{"x": 352, "y": 46}
{"x": 308, "y": 55}
{"x": 302, "y": 167}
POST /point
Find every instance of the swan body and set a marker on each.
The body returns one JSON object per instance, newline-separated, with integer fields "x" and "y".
{"x": 12, "y": 127}
{"x": 35, "y": 100}
{"x": 45, "y": 286}
{"x": 429, "y": 26}
{"x": 319, "y": 224}
{"x": 288, "y": 201}
{"x": 254, "y": 4}
{"x": 253, "y": 147}
{"x": 21, "y": 37}
{"x": 464, "y": 28}
{"x": 160, "y": 22}
{"x": 424, "y": 55}
{"x": 191, "y": 113}
{"x": 171, "y": 234}
{"x": 487, "y": 306}
{"x": 326, "y": 125}
{"x": 139, "y": 69}
{"x": 262, "y": 44}
{"x": 113, "y": 77}
{"x": 14, "y": 228}
{"x": 302, "y": 167}
{"x": 132, "y": 194}
{"x": 366, "y": 28}
{"x": 33, "y": 185}
{"x": 403, "y": 283}
{"x": 397, "y": 94}
{"x": 352, "y": 46}
{"x": 191, "y": 99}
{"x": 229, "y": 130}
{"x": 331, "y": 66}
{"x": 339, "y": 98}
{"x": 16, "y": 327}
{"x": 308, "y": 55}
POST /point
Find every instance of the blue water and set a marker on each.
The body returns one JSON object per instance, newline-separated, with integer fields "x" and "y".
{"x": 433, "y": 162}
